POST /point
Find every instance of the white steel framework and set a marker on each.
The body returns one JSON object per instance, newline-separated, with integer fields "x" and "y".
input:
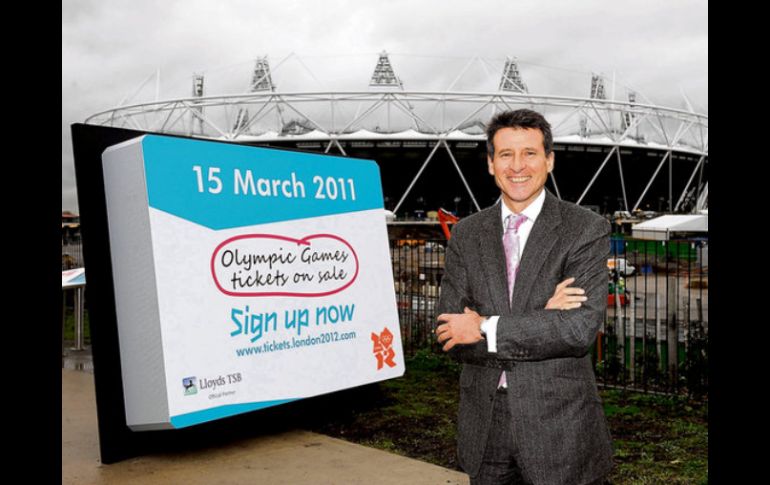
{"x": 435, "y": 117}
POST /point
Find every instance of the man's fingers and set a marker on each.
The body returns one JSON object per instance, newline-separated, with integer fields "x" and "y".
{"x": 442, "y": 332}
{"x": 571, "y": 305}
{"x": 565, "y": 283}
{"x": 449, "y": 345}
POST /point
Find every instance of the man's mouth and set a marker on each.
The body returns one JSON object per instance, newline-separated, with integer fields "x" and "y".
{"x": 518, "y": 180}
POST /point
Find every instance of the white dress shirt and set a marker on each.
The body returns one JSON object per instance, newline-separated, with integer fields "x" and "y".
{"x": 489, "y": 325}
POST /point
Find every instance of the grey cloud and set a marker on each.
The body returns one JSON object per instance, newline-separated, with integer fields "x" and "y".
{"x": 110, "y": 47}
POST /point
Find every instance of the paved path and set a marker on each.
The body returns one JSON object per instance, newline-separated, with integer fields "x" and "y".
{"x": 292, "y": 457}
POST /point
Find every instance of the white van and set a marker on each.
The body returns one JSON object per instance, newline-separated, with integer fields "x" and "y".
{"x": 621, "y": 265}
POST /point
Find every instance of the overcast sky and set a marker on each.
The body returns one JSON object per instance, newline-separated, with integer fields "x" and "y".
{"x": 659, "y": 48}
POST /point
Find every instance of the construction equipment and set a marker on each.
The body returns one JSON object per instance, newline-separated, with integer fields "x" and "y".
{"x": 445, "y": 218}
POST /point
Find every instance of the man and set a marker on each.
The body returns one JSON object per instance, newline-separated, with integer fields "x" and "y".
{"x": 529, "y": 408}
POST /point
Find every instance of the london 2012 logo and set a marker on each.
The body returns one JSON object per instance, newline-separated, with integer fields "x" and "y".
{"x": 383, "y": 349}
{"x": 189, "y": 386}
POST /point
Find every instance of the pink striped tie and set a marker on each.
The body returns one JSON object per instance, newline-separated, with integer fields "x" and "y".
{"x": 511, "y": 246}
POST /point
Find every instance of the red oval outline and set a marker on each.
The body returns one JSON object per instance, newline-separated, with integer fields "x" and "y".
{"x": 283, "y": 238}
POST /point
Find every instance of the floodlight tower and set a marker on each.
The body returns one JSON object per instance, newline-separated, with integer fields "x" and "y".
{"x": 597, "y": 92}
{"x": 197, "y": 92}
{"x": 384, "y": 76}
{"x": 511, "y": 79}
{"x": 627, "y": 117}
{"x": 261, "y": 80}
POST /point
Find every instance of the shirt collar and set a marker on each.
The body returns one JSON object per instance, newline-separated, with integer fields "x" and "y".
{"x": 531, "y": 211}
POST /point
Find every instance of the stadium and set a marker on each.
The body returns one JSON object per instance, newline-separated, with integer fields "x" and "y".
{"x": 422, "y": 118}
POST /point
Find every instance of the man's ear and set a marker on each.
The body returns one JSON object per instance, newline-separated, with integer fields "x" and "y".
{"x": 490, "y": 165}
{"x": 549, "y": 161}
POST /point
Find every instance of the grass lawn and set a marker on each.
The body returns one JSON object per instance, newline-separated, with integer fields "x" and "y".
{"x": 657, "y": 439}
{"x": 69, "y": 327}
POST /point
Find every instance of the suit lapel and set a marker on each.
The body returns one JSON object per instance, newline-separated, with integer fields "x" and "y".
{"x": 493, "y": 258}
{"x": 541, "y": 239}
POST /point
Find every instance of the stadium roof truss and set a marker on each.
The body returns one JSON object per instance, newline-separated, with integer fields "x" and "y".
{"x": 435, "y": 117}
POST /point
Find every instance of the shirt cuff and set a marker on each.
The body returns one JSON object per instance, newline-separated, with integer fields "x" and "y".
{"x": 489, "y": 328}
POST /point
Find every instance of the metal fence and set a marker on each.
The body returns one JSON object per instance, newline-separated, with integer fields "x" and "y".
{"x": 657, "y": 311}
{"x": 655, "y": 333}
{"x": 73, "y": 299}
{"x": 418, "y": 266}
{"x": 72, "y": 254}
{"x": 655, "y": 336}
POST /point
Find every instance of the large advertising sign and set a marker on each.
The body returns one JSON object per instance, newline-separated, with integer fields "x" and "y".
{"x": 245, "y": 277}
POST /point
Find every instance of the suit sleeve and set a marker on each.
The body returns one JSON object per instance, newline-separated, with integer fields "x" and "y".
{"x": 545, "y": 334}
{"x": 456, "y": 295}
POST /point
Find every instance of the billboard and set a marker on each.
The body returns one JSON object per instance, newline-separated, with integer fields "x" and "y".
{"x": 245, "y": 277}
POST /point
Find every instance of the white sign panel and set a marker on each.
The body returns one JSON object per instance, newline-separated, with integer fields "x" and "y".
{"x": 73, "y": 278}
{"x": 245, "y": 277}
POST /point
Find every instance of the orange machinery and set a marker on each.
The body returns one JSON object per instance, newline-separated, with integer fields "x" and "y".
{"x": 445, "y": 218}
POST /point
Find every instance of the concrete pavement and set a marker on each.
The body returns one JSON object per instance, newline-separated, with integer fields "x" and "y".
{"x": 287, "y": 458}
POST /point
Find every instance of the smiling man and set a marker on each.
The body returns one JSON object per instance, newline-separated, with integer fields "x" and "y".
{"x": 529, "y": 412}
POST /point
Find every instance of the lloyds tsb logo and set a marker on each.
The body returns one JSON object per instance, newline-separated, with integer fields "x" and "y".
{"x": 189, "y": 386}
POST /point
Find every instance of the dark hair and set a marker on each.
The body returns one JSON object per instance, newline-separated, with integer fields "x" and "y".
{"x": 521, "y": 118}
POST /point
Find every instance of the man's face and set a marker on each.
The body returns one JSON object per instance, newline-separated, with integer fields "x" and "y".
{"x": 520, "y": 166}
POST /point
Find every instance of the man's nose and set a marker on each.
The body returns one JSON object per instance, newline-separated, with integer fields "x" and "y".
{"x": 516, "y": 164}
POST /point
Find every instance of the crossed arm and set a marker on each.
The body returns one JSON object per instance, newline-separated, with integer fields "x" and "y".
{"x": 567, "y": 326}
{"x": 466, "y": 328}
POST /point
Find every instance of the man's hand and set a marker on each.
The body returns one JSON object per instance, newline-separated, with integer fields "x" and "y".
{"x": 459, "y": 328}
{"x": 565, "y": 298}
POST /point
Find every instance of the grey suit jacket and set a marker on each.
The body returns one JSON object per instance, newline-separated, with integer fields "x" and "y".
{"x": 559, "y": 426}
